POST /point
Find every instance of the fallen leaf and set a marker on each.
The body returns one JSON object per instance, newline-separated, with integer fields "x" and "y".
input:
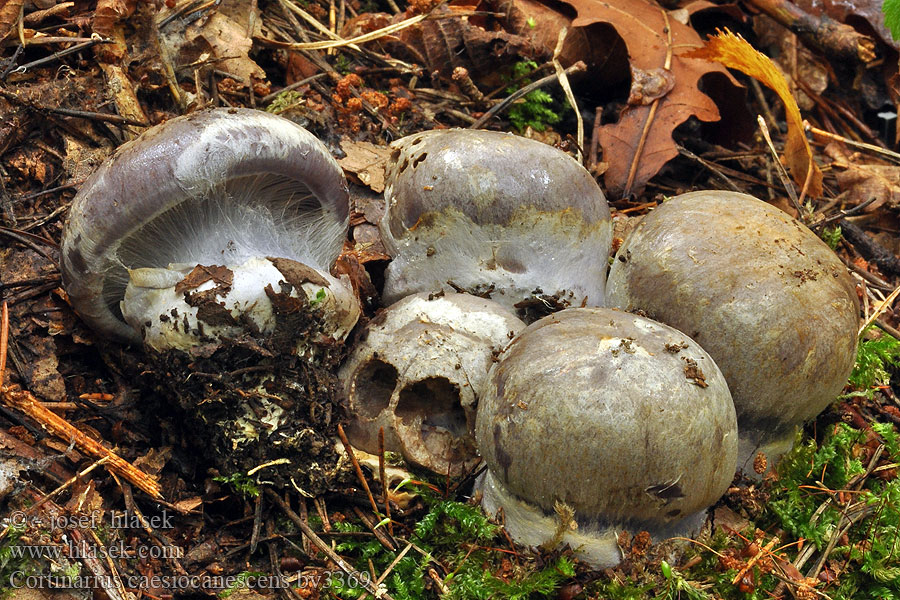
{"x": 9, "y": 14}
{"x": 366, "y": 161}
{"x": 622, "y": 40}
{"x": 864, "y": 182}
{"x": 597, "y": 46}
{"x": 224, "y": 35}
{"x": 188, "y": 504}
{"x": 733, "y": 51}
{"x": 39, "y": 360}
{"x": 445, "y": 42}
{"x": 729, "y": 521}
{"x": 641, "y": 140}
{"x": 110, "y": 12}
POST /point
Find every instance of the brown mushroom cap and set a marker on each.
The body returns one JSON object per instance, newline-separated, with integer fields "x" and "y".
{"x": 214, "y": 187}
{"x": 771, "y": 303}
{"x": 493, "y": 212}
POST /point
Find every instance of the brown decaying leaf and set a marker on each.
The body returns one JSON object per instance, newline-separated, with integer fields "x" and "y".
{"x": 221, "y": 39}
{"x": 109, "y": 12}
{"x": 442, "y": 44}
{"x": 733, "y": 51}
{"x": 641, "y": 140}
{"x": 864, "y": 182}
{"x": 9, "y": 14}
{"x": 366, "y": 161}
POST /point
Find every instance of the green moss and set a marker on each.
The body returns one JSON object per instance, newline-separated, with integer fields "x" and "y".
{"x": 874, "y": 358}
{"x": 242, "y": 484}
{"x": 459, "y": 539}
{"x": 832, "y": 236}
{"x": 534, "y": 109}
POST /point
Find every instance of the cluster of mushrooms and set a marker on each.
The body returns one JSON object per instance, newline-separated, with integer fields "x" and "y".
{"x": 723, "y": 323}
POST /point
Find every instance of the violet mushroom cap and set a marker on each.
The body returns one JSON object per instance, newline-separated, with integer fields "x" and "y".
{"x": 490, "y": 212}
{"x": 416, "y": 373}
{"x": 623, "y": 419}
{"x": 218, "y": 187}
{"x": 770, "y": 302}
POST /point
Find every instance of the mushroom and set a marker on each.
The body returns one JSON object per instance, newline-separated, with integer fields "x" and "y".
{"x": 416, "y": 374}
{"x": 623, "y": 420}
{"x": 770, "y": 302}
{"x": 207, "y": 226}
{"x": 210, "y": 240}
{"x": 493, "y": 214}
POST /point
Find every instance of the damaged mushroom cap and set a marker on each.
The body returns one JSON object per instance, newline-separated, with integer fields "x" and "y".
{"x": 494, "y": 213}
{"x": 771, "y": 303}
{"x": 416, "y": 373}
{"x": 624, "y": 420}
{"x": 219, "y": 191}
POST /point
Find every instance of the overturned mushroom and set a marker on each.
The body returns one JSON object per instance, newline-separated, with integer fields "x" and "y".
{"x": 209, "y": 239}
{"x": 625, "y": 421}
{"x": 201, "y": 227}
{"x": 416, "y": 373}
{"x": 493, "y": 214}
{"x": 771, "y": 303}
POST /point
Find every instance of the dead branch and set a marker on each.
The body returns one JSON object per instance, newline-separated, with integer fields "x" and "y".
{"x": 823, "y": 33}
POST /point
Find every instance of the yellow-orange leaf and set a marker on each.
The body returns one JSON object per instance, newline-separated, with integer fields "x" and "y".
{"x": 735, "y": 52}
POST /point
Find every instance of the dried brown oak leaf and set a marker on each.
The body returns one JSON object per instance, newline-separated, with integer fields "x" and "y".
{"x": 366, "y": 161}
{"x": 9, "y": 14}
{"x": 867, "y": 182}
{"x": 734, "y": 51}
{"x": 448, "y": 41}
{"x": 641, "y": 140}
{"x": 222, "y": 37}
{"x": 110, "y": 12}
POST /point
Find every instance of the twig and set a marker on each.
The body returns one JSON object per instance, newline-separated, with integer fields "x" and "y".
{"x": 826, "y": 34}
{"x": 257, "y": 523}
{"x": 841, "y": 213}
{"x": 891, "y": 331}
{"x": 373, "y": 527}
{"x": 651, "y": 115}
{"x": 81, "y": 114}
{"x": 382, "y": 474}
{"x": 293, "y": 86}
{"x": 595, "y": 139}
{"x": 839, "y": 138}
{"x": 576, "y": 68}
{"x": 62, "y": 10}
{"x": 880, "y": 310}
{"x": 46, "y": 497}
{"x": 515, "y": 82}
{"x": 161, "y": 540}
{"x": 338, "y": 42}
{"x": 359, "y": 473}
{"x": 782, "y": 172}
{"x": 872, "y": 279}
{"x": 869, "y": 248}
{"x": 325, "y": 548}
{"x": 28, "y": 239}
{"x": 62, "y": 53}
{"x": 390, "y": 568}
{"x": 570, "y": 96}
{"x": 108, "y": 581}
{"x": 23, "y": 401}
{"x": 708, "y": 165}
{"x": 4, "y": 341}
